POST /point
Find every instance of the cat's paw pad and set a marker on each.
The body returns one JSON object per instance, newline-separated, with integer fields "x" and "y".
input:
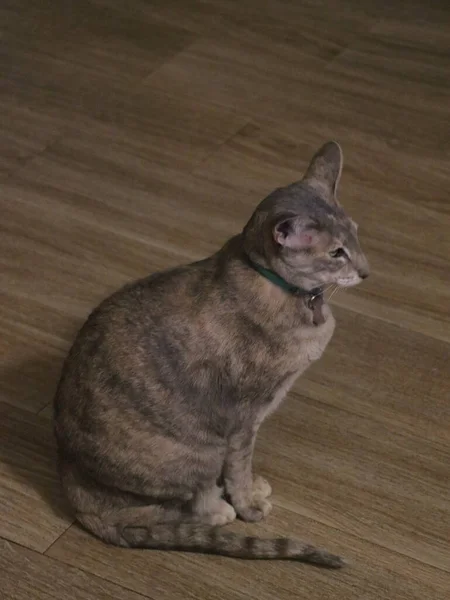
{"x": 256, "y": 512}
{"x": 261, "y": 488}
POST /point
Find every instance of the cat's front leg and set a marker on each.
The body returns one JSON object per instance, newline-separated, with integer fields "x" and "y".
{"x": 248, "y": 495}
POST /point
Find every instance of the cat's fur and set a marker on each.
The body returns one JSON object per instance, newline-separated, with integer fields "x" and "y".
{"x": 168, "y": 381}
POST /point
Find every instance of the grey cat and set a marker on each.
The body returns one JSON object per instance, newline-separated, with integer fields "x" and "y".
{"x": 164, "y": 390}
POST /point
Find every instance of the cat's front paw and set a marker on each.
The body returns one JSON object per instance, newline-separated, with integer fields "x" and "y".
{"x": 223, "y": 515}
{"x": 259, "y": 509}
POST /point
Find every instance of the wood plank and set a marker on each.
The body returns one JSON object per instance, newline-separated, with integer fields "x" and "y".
{"x": 72, "y": 55}
{"x": 80, "y": 64}
{"x": 91, "y": 66}
{"x": 243, "y": 73}
{"x": 27, "y": 574}
{"x": 354, "y": 474}
{"x": 25, "y": 132}
{"x": 33, "y": 512}
{"x": 402, "y": 54}
{"x": 34, "y": 22}
{"x": 385, "y": 373}
{"x": 47, "y": 411}
{"x": 305, "y": 26}
{"x": 152, "y": 135}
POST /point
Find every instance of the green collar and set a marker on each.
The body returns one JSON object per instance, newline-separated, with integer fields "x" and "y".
{"x": 282, "y": 283}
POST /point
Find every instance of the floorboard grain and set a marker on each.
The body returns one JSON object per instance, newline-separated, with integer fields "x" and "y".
{"x": 33, "y": 511}
{"x": 26, "y": 574}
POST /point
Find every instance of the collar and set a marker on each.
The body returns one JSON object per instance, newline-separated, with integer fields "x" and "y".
{"x": 282, "y": 283}
{"x": 314, "y": 297}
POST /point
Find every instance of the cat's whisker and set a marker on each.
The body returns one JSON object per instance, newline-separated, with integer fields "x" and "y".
{"x": 333, "y": 292}
{"x": 328, "y": 287}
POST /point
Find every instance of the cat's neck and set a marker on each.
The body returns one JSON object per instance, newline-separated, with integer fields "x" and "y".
{"x": 267, "y": 299}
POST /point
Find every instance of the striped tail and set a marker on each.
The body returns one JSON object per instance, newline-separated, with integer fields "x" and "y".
{"x": 212, "y": 540}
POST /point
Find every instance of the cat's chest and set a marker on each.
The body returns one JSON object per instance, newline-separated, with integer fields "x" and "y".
{"x": 304, "y": 347}
{"x": 269, "y": 367}
{"x": 307, "y": 344}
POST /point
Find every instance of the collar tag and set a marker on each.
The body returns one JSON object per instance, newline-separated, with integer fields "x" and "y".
{"x": 315, "y": 304}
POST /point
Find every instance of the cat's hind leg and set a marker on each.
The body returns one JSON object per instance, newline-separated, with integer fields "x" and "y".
{"x": 117, "y": 525}
{"x": 156, "y": 525}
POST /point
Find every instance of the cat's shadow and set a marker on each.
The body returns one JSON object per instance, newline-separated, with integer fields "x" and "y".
{"x": 28, "y": 448}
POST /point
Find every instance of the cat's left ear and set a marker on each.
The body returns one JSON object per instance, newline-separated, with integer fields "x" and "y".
{"x": 296, "y": 233}
{"x": 324, "y": 171}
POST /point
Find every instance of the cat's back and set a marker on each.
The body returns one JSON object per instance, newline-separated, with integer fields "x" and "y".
{"x": 142, "y": 305}
{"x": 130, "y": 333}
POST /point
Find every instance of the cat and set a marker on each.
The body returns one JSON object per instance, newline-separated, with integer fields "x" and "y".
{"x": 163, "y": 392}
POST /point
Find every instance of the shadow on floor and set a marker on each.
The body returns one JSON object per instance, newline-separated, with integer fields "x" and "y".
{"x": 28, "y": 448}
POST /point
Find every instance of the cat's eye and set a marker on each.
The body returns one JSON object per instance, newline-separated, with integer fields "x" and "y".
{"x": 338, "y": 253}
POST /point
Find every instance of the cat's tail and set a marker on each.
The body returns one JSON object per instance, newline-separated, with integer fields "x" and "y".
{"x": 188, "y": 537}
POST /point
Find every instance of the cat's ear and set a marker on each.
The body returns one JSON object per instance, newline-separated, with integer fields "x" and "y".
{"x": 324, "y": 171}
{"x": 296, "y": 233}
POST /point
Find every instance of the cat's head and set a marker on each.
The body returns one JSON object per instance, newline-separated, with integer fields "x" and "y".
{"x": 302, "y": 233}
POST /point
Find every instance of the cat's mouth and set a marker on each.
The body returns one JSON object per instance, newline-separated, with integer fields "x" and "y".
{"x": 346, "y": 282}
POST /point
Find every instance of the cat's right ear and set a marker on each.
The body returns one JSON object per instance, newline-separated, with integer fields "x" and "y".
{"x": 324, "y": 171}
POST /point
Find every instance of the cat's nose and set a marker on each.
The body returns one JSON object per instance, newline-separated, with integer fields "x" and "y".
{"x": 363, "y": 268}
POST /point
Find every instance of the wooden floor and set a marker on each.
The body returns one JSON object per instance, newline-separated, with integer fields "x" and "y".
{"x": 137, "y": 135}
